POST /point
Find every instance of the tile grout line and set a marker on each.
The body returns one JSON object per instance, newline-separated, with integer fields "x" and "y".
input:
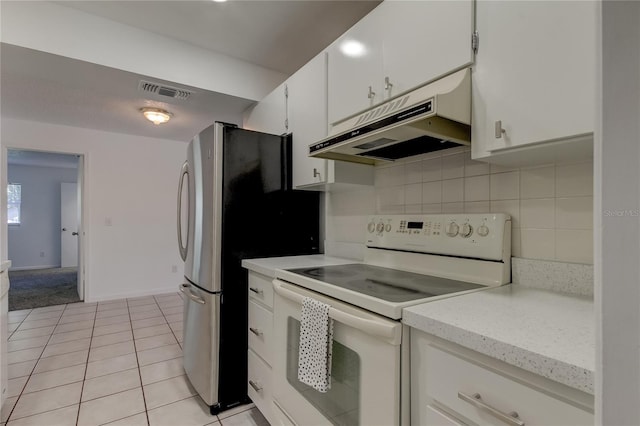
{"x": 165, "y": 318}
{"x": 179, "y": 344}
{"x": 86, "y": 365}
{"x": 36, "y": 364}
{"x": 66, "y": 310}
{"x": 135, "y": 351}
{"x": 16, "y": 329}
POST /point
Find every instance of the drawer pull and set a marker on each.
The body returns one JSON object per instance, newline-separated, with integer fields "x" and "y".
{"x": 255, "y": 290}
{"x": 476, "y": 401}
{"x": 255, "y": 331}
{"x": 255, "y": 386}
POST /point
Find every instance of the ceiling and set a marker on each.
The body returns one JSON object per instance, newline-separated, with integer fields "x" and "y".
{"x": 40, "y": 86}
{"x": 280, "y": 35}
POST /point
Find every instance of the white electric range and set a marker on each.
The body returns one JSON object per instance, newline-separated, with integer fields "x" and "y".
{"x": 409, "y": 260}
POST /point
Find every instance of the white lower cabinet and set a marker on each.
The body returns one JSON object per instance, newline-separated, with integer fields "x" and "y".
{"x": 260, "y": 330}
{"x": 452, "y": 385}
{"x": 259, "y": 387}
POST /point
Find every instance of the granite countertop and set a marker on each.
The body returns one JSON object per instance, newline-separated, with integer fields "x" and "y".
{"x": 267, "y": 266}
{"x": 547, "y": 333}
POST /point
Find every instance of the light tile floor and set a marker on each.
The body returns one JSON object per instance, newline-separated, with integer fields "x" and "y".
{"x": 116, "y": 363}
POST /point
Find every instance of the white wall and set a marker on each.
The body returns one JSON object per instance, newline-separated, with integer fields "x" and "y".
{"x": 130, "y": 182}
{"x": 617, "y": 267}
{"x": 551, "y": 205}
{"x": 39, "y": 230}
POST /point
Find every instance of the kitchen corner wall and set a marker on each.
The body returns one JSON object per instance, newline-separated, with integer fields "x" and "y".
{"x": 130, "y": 189}
{"x": 551, "y": 205}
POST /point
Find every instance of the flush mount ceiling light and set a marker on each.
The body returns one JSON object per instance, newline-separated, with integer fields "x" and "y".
{"x": 219, "y": 1}
{"x": 156, "y": 115}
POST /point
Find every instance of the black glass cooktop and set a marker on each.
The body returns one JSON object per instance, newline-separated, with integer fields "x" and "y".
{"x": 388, "y": 284}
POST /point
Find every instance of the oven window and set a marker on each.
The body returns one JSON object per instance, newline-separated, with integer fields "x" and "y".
{"x": 340, "y": 405}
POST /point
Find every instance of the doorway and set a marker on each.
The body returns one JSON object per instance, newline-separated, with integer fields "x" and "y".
{"x": 44, "y": 235}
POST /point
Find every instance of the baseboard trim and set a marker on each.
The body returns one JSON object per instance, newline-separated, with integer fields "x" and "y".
{"x": 29, "y": 268}
{"x": 155, "y": 292}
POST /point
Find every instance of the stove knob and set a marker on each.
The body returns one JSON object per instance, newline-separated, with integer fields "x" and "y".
{"x": 483, "y": 230}
{"x": 387, "y": 227}
{"x": 452, "y": 229}
{"x": 380, "y": 227}
{"x": 371, "y": 227}
{"x": 466, "y": 231}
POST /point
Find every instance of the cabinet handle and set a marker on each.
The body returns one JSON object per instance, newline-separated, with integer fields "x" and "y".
{"x": 387, "y": 84}
{"x": 255, "y": 331}
{"x": 255, "y": 290}
{"x": 371, "y": 94}
{"x": 499, "y": 130}
{"x": 255, "y": 386}
{"x": 316, "y": 173}
{"x": 476, "y": 401}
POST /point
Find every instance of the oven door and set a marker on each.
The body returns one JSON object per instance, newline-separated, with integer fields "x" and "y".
{"x": 365, "y": 373}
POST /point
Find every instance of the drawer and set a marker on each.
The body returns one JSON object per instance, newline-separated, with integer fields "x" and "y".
{"x": 259, "y": 385}
{"x": 260, "y": 330}
{"x": 449, "y": 378}
{"x": 260, "y": 288}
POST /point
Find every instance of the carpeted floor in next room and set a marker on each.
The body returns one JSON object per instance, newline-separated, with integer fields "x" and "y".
{"x": 42, "y": 287}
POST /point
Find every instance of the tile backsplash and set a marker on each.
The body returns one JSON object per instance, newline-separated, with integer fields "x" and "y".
{"x": 551, "y": 206}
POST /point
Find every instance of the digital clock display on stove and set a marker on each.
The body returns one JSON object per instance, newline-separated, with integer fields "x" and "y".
{"x": 414, "y": 225}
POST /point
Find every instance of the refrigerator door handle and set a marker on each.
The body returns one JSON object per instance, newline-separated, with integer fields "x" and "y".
{"x": 183, "y": 248}
{"x": 184, "y": 288}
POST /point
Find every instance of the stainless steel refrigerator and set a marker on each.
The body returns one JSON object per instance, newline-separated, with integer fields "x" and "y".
{"x": 234, "y": 202}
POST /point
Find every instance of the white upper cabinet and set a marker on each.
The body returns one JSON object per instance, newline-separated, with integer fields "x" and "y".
{"x": 270, "y": 114}
{"x": 424, "y": 40}
{"x": 355, "y": 68}
{"x": 299, "y": 106}
{"x": 397, "y": 47}
{"x": 307, "y": 111}
{"x": 534, "y": 77}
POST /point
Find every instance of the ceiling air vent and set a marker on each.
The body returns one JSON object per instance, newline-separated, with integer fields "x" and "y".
{"x": 159, "y": 89}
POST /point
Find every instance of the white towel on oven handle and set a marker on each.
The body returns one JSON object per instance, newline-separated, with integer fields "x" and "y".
{"x": 314, "y": 352}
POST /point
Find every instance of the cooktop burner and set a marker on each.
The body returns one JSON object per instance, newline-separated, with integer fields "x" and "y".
{"x": 388, "y": 284}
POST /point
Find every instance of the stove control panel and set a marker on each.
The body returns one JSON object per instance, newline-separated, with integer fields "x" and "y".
{"x": 482, "y": 236}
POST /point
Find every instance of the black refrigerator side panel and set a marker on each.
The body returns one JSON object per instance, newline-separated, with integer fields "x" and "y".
{"x": 252, "y": 164}
{"x": 294, "y": 228}
{"x": 260, "y": 218}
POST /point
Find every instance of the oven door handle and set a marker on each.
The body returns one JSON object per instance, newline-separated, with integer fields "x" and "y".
{"x": 381, "y": 329}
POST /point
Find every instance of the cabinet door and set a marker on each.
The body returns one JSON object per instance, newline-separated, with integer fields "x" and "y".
{"x": 268, "y": 115}
{"x": 307, "y": 110}
{"x": 423, "y": 40}
{"x": 534, "y": 72}
{"x": 355, "y": 64}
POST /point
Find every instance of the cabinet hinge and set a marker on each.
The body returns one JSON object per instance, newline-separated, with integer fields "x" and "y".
{"x": 475, "y": 41}
{"x": 286, "y": 108}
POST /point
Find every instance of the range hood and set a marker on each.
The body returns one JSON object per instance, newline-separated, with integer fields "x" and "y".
{"x": 431, "y": 118}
